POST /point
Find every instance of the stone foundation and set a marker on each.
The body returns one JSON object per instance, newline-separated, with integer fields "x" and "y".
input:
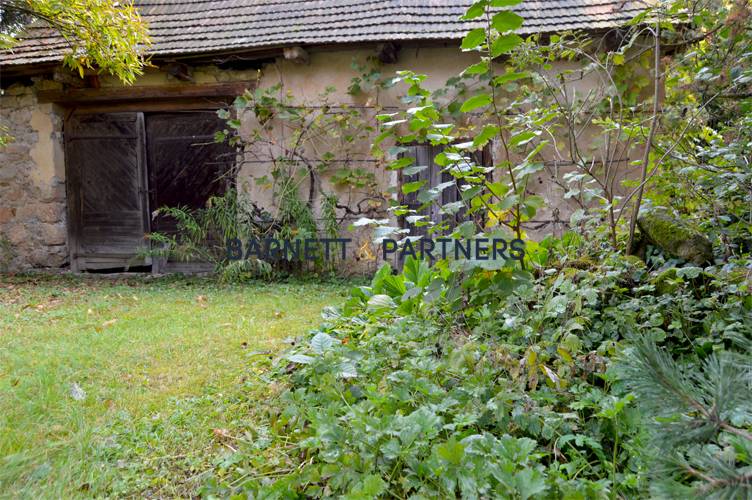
{"x": 32, "y": 184}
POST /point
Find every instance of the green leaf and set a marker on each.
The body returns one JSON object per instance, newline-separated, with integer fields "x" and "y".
{"x": 414, "y": 169}
{"x": 417, "y": 271}
{"x": 528, "y": 168}
{"x": 411, "y": 187}
{"x": 529, "y": 482}
{"x": 451, "y": 451}
{"x": 504, "y": 44}
{"x": 372, "y": 486}
{"x": 475, "y": 102}
{"x": 401, "y": 163}
{"x": 509, "y": 77}
{"x": 506, "y": 20}
{"x": 475, "y": 10}
{"x": 477, "y": 68}
{"x": 321, "y": 343}
{"x": 489, "y": 131}
{"x": 453, "y": 207}
{"x": 473, "y": 39}
{"x": 300, "y": 359}
{"x": 378, "y": 302}
{"x": 523, "y": 138}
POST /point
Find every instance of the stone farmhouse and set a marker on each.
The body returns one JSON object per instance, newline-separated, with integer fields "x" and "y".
{"x": 91, "y": 159}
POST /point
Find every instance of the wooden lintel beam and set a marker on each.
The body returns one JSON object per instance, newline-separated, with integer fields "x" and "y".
{"x": 144, "y": 93}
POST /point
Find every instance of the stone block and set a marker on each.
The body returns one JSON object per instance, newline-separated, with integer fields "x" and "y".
{"x": 17, "y": 148}
{"x": 48, "y": 256}
{"x": 39, "y": 257}
{"x": 50, "y": 212}
{"x": 17, "y": 235}
{"x": 53, "y": 234}
{"x": 26, "y": 212}
{"x": 14, "y": 193}
{"x": 43, "y": 212}
{"x": 56, "y": 193}
{"x": 17, "y": 89}
{"x": 676, "y": 237}
{"x": 25, "y": 100}
{"x": 9, "y": 172}
{"x": 7, "y": 214}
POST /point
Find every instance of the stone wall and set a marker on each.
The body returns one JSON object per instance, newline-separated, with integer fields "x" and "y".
{"x": 32, "y": 184}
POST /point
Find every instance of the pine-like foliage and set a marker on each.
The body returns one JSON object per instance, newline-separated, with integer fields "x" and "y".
{"x": 699, "y": 415}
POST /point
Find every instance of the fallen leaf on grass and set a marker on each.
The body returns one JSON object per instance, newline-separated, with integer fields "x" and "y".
{"x": 221, "y": 434}
{"x": 109, "y": 323}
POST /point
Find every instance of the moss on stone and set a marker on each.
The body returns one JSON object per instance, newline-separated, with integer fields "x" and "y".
{"x": 583, "y": 262}
{"x": 666, "y": 282}
{"x": 635, "y": 261}
{"x": 676, "y": 237}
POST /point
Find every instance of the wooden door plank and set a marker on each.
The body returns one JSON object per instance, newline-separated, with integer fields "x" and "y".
{"x": 104, "y": 158}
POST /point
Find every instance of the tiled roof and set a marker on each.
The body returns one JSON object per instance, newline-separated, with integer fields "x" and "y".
{"x": 197, "y": 26}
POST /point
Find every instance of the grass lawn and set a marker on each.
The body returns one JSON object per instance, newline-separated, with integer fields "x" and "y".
{"x": 134, "y": 386}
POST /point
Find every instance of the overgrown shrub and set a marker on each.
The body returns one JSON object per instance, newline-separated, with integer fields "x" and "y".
{"x": 416, "y": 389}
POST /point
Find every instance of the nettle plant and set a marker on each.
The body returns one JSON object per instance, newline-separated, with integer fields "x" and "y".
{"x": 523, "y": 99}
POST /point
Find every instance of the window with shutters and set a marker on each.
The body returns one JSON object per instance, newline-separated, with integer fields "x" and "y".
{"x": 424, "y": 155}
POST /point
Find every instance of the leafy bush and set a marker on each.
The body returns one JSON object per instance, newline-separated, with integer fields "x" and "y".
{"x": 416, "y": 389}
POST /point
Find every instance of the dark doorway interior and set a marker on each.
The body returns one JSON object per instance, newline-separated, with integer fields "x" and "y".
{"x": 186, "y": 167}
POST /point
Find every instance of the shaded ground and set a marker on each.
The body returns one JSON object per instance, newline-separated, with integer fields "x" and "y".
{"x": 132, "y": 387}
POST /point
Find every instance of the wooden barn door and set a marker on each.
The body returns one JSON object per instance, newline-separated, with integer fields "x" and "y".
{"x": 106, "y": 179}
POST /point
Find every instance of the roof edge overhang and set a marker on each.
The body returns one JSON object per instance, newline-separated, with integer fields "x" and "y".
{"x": 11, "y": 73}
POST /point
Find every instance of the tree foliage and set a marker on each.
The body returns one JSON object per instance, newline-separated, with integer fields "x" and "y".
{"x": 103, "y": 35}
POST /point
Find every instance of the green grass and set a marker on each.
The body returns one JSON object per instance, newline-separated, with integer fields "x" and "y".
{"x": 163, "y": 367}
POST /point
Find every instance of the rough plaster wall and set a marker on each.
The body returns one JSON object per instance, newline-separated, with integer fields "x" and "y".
{"x": 32, "y": 184}
{"x": 325, "y": 69}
